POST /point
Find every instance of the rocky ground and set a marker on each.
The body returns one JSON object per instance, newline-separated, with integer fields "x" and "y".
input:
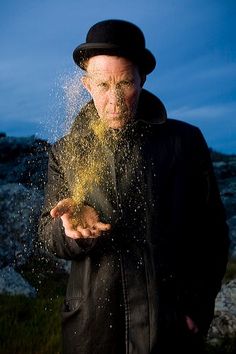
{"x": 23, "y": 166}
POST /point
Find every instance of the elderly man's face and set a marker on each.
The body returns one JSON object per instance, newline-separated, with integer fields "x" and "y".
{"x": 114, "y": 84}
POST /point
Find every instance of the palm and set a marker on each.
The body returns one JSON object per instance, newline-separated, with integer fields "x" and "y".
{"x": 81, "y": 222}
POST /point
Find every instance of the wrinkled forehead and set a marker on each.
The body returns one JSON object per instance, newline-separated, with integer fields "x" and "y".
{"x": 108, "y": 64}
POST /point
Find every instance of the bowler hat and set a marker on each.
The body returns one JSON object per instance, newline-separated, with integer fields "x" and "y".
{"x": 116, "y": 37}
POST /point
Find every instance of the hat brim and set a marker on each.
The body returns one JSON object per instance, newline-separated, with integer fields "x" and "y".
{"x": 145, "y": 59}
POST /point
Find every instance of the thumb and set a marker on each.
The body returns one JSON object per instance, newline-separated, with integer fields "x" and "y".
{"x": 56, "y": 212}
{"x": 62, "y": 207}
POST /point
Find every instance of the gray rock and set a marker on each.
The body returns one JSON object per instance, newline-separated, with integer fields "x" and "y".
{"x": 228, "y": 194}
{"x": 19, "y": 212}
{"x": 23, "y": 160}
{"x": 12, "y": 283}
{"x": 232, "y": 234}
{"x": 224, "y": 322}
{"x": 225, "y": 169}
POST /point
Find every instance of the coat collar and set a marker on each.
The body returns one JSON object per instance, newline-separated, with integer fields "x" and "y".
{"x": 150, "y": 109}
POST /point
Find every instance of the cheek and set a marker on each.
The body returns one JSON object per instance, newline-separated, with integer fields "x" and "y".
{"x": 132, "y": 98}
{"x": 99, "y": 101}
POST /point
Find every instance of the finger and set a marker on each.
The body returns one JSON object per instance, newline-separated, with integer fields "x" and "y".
{"x": 95, "y": 232}
{"x": 89, "y": 232}
{"x": 59, "y": 210}
{"x": 62, "y": 207}
{"x": 85, "y": 232}
{"x": 101, "y": 226}
{"x": 72, "y": 233}
{"x": 68, "y": 222}
{"x": 54, "y": 213}
{"x": 70, "y": 229}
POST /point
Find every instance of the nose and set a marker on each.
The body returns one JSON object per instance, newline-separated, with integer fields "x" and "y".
{"x": 115, "y": 97}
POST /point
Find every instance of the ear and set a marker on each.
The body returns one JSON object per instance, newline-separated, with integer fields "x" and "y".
{"x": 86, "y": 83}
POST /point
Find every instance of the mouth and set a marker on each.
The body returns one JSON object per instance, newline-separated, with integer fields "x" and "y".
{"x": 114, "y": 114}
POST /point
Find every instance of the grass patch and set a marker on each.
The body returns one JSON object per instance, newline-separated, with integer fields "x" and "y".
{"x": 225, "y": 346}
{"x": 33, "y": 325}
{"x": 30, "y": 325}
{"x": 230, "y": 270}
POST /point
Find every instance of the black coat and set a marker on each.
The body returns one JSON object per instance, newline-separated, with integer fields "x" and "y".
{"x": 165, "y": 258}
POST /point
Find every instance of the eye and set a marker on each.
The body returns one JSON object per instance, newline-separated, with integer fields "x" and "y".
{"x": 103, "y": 85}
{"x": 127, "y": 83}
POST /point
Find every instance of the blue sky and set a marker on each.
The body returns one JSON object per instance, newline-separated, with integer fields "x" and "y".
{"x": 192, "y": 40}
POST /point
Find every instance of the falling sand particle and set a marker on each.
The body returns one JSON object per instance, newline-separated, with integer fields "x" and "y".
{"x": 92, "y": 163}
{"x": 86, "y": 141}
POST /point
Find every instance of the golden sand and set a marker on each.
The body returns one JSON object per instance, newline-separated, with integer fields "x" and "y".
{"x": 91, "y": 165}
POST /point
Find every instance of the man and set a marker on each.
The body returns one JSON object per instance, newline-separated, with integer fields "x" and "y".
{"x": 135, "y": 206}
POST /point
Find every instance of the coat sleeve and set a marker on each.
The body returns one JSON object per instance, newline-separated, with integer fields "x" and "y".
{"x": 209, "y": 251}
{"x": 51, "y": 231}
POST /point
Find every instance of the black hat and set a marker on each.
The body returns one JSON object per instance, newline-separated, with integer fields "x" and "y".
{"x": 116, "y": 37}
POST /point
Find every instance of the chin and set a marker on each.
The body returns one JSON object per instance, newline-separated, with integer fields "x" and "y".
{"x": 118, "y": 125}
{"x": 115, "y": 123}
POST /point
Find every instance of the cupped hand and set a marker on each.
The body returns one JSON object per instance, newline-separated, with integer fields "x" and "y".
{"x": 79, "y": 221}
